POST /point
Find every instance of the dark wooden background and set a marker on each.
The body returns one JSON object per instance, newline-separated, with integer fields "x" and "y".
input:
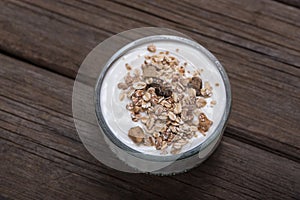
{"x": 42, "y": 44}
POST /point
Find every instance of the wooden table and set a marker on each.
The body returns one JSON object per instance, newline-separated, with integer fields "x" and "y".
{"x": 42, "y": 45}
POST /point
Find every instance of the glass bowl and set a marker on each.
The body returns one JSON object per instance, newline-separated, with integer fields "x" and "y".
{"x": 112, "y": 119}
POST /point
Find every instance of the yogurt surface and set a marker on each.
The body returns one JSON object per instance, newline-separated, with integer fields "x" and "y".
{"x": 117, "y": 117}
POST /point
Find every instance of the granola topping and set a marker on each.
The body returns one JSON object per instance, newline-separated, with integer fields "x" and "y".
{"x": 167, "y": 100}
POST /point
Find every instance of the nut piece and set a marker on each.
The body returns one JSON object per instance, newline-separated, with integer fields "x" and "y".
{"x": 136, "y": 134}
{"x": 151, "y": 48}
{"x": 196, "y": 83}
{"x": 204, "y": 123}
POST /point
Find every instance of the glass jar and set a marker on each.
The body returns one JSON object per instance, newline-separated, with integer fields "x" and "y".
{"x": 102, "y": 121}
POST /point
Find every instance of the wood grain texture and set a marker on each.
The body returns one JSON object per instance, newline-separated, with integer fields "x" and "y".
{"x": 258, "y": 43}
{"x": 42, "y": 39}
{"x": 262, "y": 59}
{"x": 47, "y": 160}
{"x": 294, "y": 3}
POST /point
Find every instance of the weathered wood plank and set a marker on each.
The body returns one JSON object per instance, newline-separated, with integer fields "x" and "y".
{"x": 32, "y": 138}
{"x": 255, "y": 33}
{"x": 270, "y": 9}
{"x": 224, "y": 175}
{"x": 86, "y": 17}
{"x": 260, "y": 84}
{"x": 28, "y": 35}
{"x": 295, "y": 3}
{"x": 232, "y": 27}
{"x": 30, "y": 176}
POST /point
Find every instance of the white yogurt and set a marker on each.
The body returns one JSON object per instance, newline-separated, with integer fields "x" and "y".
{"x": 118, "y": 117}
